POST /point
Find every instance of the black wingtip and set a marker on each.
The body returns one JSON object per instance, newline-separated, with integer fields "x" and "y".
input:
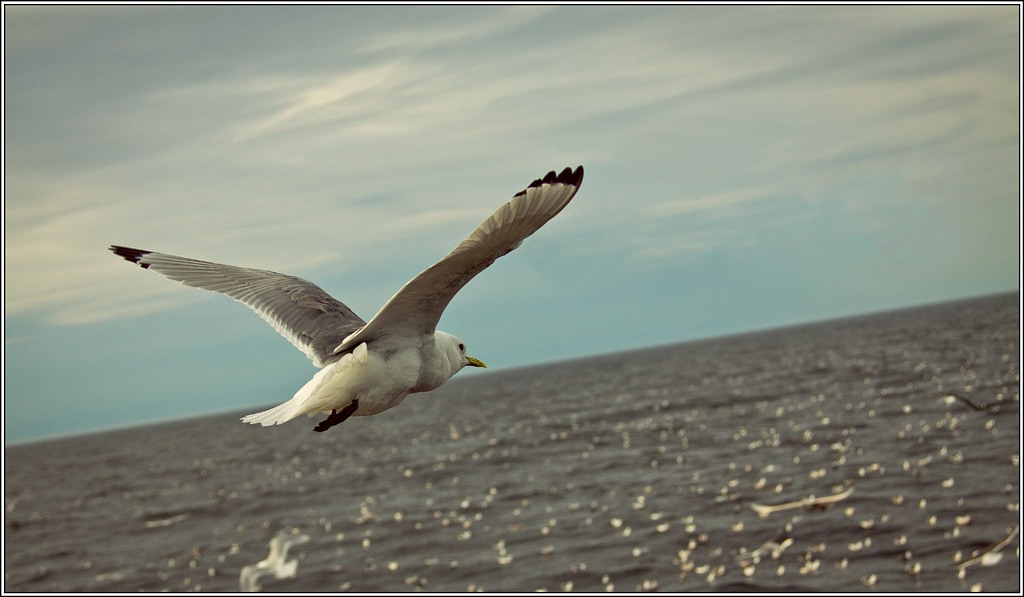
{"x": 133, "y": 255}
{"x": 566, "y": 176}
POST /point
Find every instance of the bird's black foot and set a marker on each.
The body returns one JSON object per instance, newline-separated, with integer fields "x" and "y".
{"x": 336, "y": 417}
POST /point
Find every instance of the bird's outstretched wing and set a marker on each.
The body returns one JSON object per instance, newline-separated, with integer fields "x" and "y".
{"x": 416, "y": 308}
{"x": 300, "y": 311}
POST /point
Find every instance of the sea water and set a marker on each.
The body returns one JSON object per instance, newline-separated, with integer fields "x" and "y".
{"x": 648, "y": 470}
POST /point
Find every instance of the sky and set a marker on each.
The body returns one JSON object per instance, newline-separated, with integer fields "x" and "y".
{"x": 747, "y": 167}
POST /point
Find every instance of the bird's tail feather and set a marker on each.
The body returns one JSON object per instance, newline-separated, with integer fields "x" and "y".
{"x": 281, "y": 413}
{"x": 306, "y": 401}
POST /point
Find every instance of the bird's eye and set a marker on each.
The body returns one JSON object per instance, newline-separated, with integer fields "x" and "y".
{"x": 462, "y": 347}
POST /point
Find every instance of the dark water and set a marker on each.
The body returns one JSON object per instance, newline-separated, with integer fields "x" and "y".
{"x": 628, "y": 472}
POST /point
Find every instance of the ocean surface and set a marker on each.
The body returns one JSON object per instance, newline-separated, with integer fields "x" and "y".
{"x": 894, "y": 439}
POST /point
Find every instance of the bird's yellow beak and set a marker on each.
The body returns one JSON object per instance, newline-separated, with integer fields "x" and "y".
{"x": 475, "y": 362}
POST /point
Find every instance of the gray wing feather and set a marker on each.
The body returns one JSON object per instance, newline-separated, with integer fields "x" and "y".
{"x": 416, "y": 308}
{"x": 299, "y": 310}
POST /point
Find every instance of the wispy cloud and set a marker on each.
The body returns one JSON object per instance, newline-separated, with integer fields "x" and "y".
{"x": 732, "y": 200}
{"x": 732, "y": 115}
{"x": 682, "y": 246}
{"x": 462, "y": 27}
{"x": 351, "y": 100}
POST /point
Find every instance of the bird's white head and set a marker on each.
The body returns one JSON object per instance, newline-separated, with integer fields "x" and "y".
{"x": 455, "y": 351}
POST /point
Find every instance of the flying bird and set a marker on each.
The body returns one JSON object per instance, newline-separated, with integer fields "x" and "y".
{"x": 276, "y": 564}
{"x": 369, "y": 367}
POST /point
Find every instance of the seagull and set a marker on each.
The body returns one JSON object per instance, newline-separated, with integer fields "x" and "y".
{"x": 275, "y": 564}
{"x": 369, "y": 367}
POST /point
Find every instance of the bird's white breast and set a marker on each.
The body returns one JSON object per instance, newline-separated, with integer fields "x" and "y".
{"x": 379, "y": 380}
{"x": 436, "y": 366}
